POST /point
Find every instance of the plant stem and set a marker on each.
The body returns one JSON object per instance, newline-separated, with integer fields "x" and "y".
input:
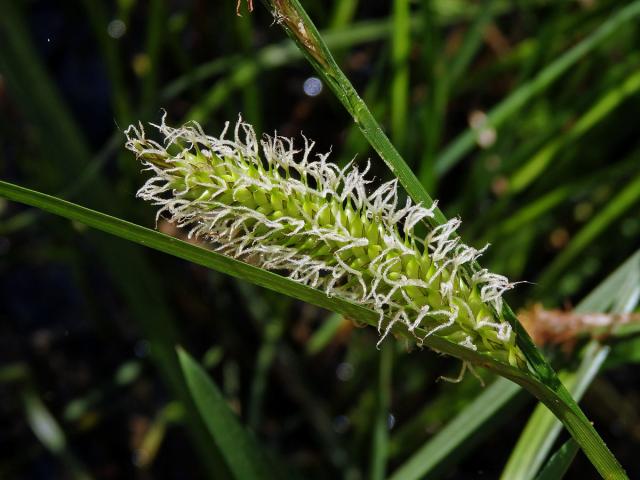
{"x": 582, "y": 430}
{"x": 380, "y": 446}
{"x": 296, "y": 22}
{"x": 400, "y": 49}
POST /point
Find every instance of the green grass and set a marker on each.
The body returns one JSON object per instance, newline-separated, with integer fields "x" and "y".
{"x": 556, "y": 194}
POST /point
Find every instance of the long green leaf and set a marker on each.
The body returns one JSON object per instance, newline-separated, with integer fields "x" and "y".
{"x": 238, "y": 447}
{"x": 534, "y": 167}
{"x": 63, "y": 161}
{"x": 443, "y": 80}
{"x": 560, "y": 462}
{"x": 380, "y": 444}
{"x": 399, "y": 98}
{"x": 619, "y": 204}
{"x": 229, "y": 266}
{"x": 543, "y": 428}
{"x": 556, "y": 397}
{"x": 458, "y": 435}
{"x": 619, "y": 294}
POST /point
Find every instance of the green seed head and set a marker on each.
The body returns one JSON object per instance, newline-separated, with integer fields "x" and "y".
{"x": 267, "y": 203}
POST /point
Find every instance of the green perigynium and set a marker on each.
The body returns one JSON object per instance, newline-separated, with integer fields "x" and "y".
{"x": 269, "y": 204}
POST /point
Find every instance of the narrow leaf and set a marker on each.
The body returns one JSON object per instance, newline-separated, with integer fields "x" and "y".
{"x": 525, "y": 92}
{"x": 239, "y": 449}
{"x": 457, "y": 436}
{"x": 560, "y": 462}
{"x": 556, "y": 397}
{"x": 618, "y": 292}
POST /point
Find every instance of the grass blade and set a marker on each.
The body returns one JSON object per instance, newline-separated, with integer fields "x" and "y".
{"x": 443, "y": 80}
{"x": 304, "y": 33}
{"x": 240, "y": 450}
{"x": 560, "y": 462}
{"x": 380, "y": 450}
{"x": 619, "y": 294}
{"x": 533, "y": 168}
{"x": 541, "y": 431}
{"x": 512, "y": 104}
{"x": 458, "y": 434}
{"x": 555, "y": 396}
{"x": 325, "y": 333}
{"x": 623, "y": 201}
{"x": 400, "y": 45}
{"x": 201, "y": 256}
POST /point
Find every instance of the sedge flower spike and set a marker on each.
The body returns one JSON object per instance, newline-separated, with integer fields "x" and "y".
{"x": 266, "y": 203}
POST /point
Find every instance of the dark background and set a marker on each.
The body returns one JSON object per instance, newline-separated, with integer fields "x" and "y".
{"x": 88, "y": 323}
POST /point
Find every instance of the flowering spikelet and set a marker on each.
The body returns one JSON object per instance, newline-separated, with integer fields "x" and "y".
{"x": 273, "y": 206}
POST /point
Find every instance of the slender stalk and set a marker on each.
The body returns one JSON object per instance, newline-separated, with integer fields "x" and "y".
{"x": 432, "y": 115}
{"x": 380, "y": 445}
{"x": 443, "y": 79}
{"x": 296, "y": 22}
{"x": 400, "y": 46}
{"x": 543, "y": 429}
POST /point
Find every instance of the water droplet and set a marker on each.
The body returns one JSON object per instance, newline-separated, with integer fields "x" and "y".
{"x": 312, "y": 86}
{"x": 116, "y": 28}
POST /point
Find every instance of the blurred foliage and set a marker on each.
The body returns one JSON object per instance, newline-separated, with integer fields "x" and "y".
{"x": 521, "y": 117}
